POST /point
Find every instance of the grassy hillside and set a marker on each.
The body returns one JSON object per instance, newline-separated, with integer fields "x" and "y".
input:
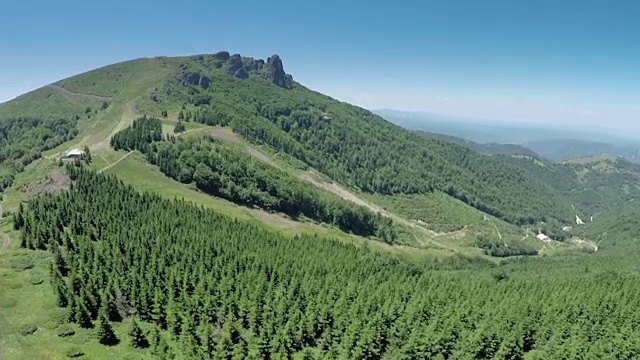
{"x": 595, "y": 186}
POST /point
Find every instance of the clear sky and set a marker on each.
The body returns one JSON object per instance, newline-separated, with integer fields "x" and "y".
{"x": 559, "y": 61}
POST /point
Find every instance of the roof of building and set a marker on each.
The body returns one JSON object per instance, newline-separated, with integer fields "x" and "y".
{"x": 74, "y": 152}
{"x": 542, "y": 236}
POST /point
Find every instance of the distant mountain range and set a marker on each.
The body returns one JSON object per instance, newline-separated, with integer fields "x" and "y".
{"x": 555, "y": 143}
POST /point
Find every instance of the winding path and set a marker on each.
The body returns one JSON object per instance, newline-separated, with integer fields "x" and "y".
{"x": 115, "y": 162}
{"x": 84, "y": 95}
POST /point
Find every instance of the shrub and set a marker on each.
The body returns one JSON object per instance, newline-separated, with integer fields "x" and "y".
{"x": 36, "y": 278}
{"x": 27, "y": 329}
{"x": 23, "y": 263}
{"x": 74, "y": 352}
{"x": 65, "y": 330}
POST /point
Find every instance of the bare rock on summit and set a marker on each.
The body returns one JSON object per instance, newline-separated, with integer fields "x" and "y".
{"x": 194, "y": 78}
{"x": 241, "y": 74}
{"x": 274, "y": 72}
{"x": 234, "y": 64}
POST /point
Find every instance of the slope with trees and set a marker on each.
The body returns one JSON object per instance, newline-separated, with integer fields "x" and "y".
{"x": 232, "y": 174}
{"x": 212, "y": 287}
{"x": 23, "y": 140}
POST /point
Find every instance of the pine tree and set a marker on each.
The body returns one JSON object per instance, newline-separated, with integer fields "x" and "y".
{"x": 180, "y": 115}
{"x": 87, "y": 155}
{"x": 179, "y": 128}
{"x": 82, "y": 315}
{"x": 18, "y": 218}
{"x": 105, "y": 333}
{"x": 138, "y": 340}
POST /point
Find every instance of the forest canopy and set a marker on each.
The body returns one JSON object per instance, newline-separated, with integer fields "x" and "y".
{"x": 213, "y": 287}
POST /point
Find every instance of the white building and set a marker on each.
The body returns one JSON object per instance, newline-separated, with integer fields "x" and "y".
{"x": 74, "y": 153}
{"x": 543, "y": 237}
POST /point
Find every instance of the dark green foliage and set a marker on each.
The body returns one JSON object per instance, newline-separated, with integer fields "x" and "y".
{"x": 593, "y": 187}
{"x": 27, "y": 329}
{"x": 503, "y": 248}
{"x": 65, "y": 330}
{"x": 137, "y": 136}
{"x": 164, "y": 113}
{"x": 232, "y": 174}
{"x": 74, "y": 352}
{"x": 23, "y": 140}
{"x": 231, "y": 289}
{"x": 355, "y": 147}
{"x": 138, "y": 340}
{"x": 104, "y": 105}
{"x": 179, "y": 128}
{"x": 105, "y": 333}
{"x": 200, "y": 99}
{"x": 87, "y": 155}
{"x": 500, "y": 275}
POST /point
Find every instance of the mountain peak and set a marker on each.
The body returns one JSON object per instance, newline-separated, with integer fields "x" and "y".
{"x": 275, "y": 72}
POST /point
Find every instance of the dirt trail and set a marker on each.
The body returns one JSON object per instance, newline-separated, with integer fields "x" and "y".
{"x": 430, "y": 235}
{"x": 83, "y": 95}
{"x": 115, "y": 162}
{"x": 129, "y": 114}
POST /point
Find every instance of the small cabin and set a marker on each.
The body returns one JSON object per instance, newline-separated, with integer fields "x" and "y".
{"x": 73, "y": 154}
{"x": 543, "y": 237}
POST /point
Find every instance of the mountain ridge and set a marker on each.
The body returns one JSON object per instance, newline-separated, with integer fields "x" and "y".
{"x": 263, "y": 104}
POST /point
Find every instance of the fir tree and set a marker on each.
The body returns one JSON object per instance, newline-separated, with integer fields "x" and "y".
{"x": 138, "y": 340}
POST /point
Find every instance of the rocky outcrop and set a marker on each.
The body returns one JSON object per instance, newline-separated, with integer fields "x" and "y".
{"x": 194, "y": 78}
{"x": 274, "y": 72}
{"x": 234, "y": 64}
{"x": 222, "y": 55}
{"x": 204, "y": 82}
{"x": 255, "y": 65}
{"x": 241, "y": 74}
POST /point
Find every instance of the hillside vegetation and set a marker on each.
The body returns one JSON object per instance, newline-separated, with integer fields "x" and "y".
{"x": 232, "y": 174}
{"x": 259, "y": 295}
{"x": 22, "y": 140}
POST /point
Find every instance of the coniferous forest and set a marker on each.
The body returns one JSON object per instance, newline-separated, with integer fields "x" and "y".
{"x": 232, "y": 174}
{"x": 213, "y": 287}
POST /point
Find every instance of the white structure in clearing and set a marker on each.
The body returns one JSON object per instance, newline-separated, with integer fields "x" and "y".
{"x": 543, "y": 237}
{"x": 579, "y": 221}
{"x": 74, "y": 153}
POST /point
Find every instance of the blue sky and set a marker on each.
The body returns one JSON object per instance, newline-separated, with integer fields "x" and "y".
{"x": 523, "y": 61}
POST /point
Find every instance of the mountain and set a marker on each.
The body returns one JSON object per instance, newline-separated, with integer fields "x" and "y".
{"x": 263, "y": 104}
{"x": 220, "y": 209}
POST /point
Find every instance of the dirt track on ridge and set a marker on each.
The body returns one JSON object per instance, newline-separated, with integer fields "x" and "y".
{"x": 84, "y": 95}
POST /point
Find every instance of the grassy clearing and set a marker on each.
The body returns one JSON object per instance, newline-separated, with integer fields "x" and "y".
{"x": 24, "y": 181}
